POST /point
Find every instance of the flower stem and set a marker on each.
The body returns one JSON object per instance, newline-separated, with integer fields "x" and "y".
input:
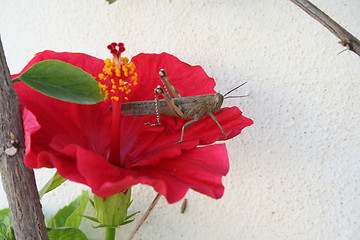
{"x": 110, "y": 233}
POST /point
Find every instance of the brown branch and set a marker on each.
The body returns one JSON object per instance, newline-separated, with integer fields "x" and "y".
{"x": 18, "y": 180}
{"x": 144, "y": 217}
{"x": 346, "y": 38}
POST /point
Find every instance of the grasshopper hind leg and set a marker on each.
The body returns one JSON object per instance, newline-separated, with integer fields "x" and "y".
{"x": 195, "y": 120}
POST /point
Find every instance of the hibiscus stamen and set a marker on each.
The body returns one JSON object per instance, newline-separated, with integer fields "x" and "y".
{"x": 118, "y": 75}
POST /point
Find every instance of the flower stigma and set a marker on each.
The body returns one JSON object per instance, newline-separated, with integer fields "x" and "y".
{"x": 118, "y": 75}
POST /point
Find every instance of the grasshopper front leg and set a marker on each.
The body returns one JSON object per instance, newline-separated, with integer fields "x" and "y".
{"x": 185, "y": 126}
{"x": 216, "y": 121}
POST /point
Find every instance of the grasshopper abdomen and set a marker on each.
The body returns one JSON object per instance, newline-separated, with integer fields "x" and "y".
{"x": 191, "y": 107}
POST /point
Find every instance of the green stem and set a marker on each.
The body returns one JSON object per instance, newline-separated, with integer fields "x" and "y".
{"x": 110, "y": 233}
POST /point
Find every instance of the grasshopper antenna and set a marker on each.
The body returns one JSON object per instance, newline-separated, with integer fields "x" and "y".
{"x": 234, "y": 90}
{"x": 236, "y": 96}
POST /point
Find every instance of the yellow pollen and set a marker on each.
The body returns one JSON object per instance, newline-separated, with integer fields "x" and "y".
{"x": 116, "y": 98}
{"x": 115, "y": 80}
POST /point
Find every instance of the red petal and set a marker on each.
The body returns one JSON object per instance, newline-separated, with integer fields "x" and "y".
{"x": 200, "y": 169}
{"x": 188, "y": 80}
{"x": 152, "y": 146}
{"x": 85, "y": 125}
{"x": 30, "y": 127}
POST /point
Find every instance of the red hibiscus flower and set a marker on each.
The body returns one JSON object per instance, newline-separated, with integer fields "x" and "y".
{"x": 110, "y": 152}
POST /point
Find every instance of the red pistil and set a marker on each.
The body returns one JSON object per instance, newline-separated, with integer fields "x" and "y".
{"x": 115, "y": 147}
{"x": 116, "y": 81}
{"x": 116, "y": 49}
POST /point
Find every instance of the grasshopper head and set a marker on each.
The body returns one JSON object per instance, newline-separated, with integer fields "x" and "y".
{"x": 218, "y": 101}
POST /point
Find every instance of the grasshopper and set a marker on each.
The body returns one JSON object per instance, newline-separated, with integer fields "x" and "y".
{"x": 194, "y": 107}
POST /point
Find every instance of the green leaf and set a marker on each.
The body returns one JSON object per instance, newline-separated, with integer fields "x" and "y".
{"x": 115, "y": 226}
{"x": 103, "y": 226}
{"x": 94, "y": 219}
{"x": 66, "y": 234}
{"x": 70, "y": 216}
{"x": 132, "y": 215}
{"x": 111, "y": 1}
{"x": 6, "y": 231}
{"x": 92, "y": 203}
{"x": 53, "y": 183}
{"x": 5, "y": 216}
{"x": 127, "y": 222}
{"x": 75, "y": 218}
{"x": 62, "y": 81}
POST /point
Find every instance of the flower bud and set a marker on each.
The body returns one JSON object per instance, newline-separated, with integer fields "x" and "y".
{"x": 112, "y": 210}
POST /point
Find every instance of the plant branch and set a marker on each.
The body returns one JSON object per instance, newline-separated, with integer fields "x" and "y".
{"x": 144, "y": 217}
{"x": 18, "y": 180}
{"x": 346, "y": 38}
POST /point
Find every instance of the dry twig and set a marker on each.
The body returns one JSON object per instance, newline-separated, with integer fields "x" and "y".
{"x": 346, "y": 38}
{"x": 144, "y": 217}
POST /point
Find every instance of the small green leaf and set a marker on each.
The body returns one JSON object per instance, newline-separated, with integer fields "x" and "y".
{"x": 62, "y": 81}
{"x": 5, "y": 216}
{"x": 6, "y": 230}
{"x": 94, "y": 219}
{"x": 127, "y": 222}
{"x": 92, "y": 203}
{"x": 53, "y": 183}
{"x": 132, "y": 215}
{"x": 75, "y": 218}
{"x": 101, "y": 226}
{"x": 66, "y": 234}
{"x": 70, "y": 215}
{"x": 111, "y": 1}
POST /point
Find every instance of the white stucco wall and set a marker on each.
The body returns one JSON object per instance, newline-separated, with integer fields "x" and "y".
{"x": 295, "y": 174}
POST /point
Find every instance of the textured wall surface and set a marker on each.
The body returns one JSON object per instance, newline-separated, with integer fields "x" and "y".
{"x": 295, "y": 174}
